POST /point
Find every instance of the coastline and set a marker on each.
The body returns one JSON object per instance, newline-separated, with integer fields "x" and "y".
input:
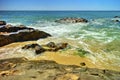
{"x": 69, "y": 41}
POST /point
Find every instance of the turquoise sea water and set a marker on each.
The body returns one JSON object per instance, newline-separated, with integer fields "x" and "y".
{"x": 101, "y": 35}
{"x": 100, "y": 26}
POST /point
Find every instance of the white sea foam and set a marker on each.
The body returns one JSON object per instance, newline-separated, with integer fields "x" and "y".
{"x": 15, "y": 23}
{"x": 57, "y": 29}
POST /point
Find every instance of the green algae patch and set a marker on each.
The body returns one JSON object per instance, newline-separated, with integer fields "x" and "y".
{"x": 81, "y": 52}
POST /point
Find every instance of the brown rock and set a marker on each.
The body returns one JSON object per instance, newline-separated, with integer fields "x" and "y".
{"x": 2, "y": 23}
{"x": 50, "y": 70}
{"x": 38, "y": 49}
{"x": 51, "y": 45}
{"x": 56, "y": 47}
{"x": 82, "y": 64}
{"x": 61, "y": 45}
{"x": 22, "y": 36}
{"x": 9, "y": 28}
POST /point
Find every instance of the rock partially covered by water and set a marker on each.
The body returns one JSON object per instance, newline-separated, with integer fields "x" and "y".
{"x": 21, "y": 33}
{"x": 38, "y": 49}
{"x": 116, "y": 20}
{"x": 29, "y": 46}
{"x": 72, "y": 20}
{"x": 23, "y": 69}
{"x": 51, "y": 46}
{"x": 117, "y": 17}
{"x": 56, "y": 46}
{"x": 22, "y": 36}
{"x": 9, "y": 28}
{"x": 2, "y": 23}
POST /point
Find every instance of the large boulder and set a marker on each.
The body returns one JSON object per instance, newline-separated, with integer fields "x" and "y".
{"x": 22, "y": 36}
{"x": 72, "y": 20}
{"x": 2, "y": 23}
{"x": 21, "y": 33}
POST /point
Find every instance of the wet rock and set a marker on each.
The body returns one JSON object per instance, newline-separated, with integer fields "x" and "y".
{"x": 9, "y": 28}
{"x": 2, "y": 23}
{"x": 56, "y": 47}
{"x": 51, "y": 45}
{"x": 116, "y": 21}
{"x": 61, "y": 45}
{"x": 38, "y": 49}
{"x": 117, "y": 17}
{"x": 72, "y": 20}
{"x": 30, "y": 46}
{"x": 22, "y": 36}
{"x": 82, "y": 64}
{"x": 10, "y": 34}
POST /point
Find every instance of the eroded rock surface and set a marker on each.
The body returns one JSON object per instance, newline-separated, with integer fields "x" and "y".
{"x": 23, "y": 69}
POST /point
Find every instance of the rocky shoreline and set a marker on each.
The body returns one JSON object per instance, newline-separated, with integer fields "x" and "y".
{"x": 24, "y": 69}
{"x": 10, "y": 34}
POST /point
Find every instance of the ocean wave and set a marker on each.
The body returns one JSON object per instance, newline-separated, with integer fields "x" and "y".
{"x": 15, "y": 23}
{"x": 101, "y": 29}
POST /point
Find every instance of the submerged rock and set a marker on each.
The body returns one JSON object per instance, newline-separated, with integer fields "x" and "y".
{"x": 72, "y": 20}
{"x": 81, "y": 52}
{"x": 2, "y": 23}
{"x": 50, "y": 70}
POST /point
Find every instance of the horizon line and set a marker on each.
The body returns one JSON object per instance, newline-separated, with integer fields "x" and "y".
{"x": 59, "y": 10}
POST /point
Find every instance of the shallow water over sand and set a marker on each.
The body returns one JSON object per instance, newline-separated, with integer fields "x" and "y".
{"x": 96, "y": 59}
